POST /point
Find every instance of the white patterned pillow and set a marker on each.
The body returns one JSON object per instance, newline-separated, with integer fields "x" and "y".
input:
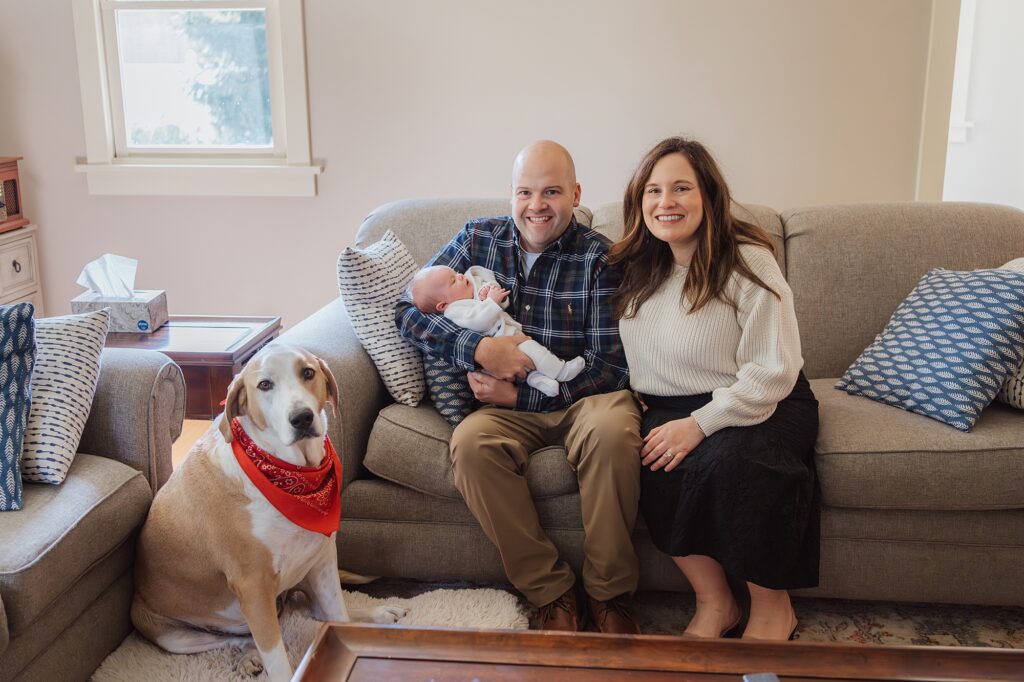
{"x": 63, "y": 386}
{"x": 1012, "y": 391}
{"x": 371, "y": 280}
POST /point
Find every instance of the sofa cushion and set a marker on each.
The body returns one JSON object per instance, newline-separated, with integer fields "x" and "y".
{"x": 96, "y": 601}
{"x": 872, "y": 456}
{"x": 850, "y": 266}
{"x": 409, "y": 446}
{"x": 62, "y": 531}
{"x": 608, "y": 221}
{"x": 425, "y": 225}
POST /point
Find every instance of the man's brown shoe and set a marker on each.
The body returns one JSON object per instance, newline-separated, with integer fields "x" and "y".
{"x": 612, "y": 617}
{"x": 561, "y": 614}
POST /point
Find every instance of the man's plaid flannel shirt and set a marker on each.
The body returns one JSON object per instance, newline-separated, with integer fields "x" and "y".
{"x": 563, "y": 305}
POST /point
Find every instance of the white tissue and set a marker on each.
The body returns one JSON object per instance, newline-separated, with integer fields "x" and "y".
{"x": 110, "y": 276}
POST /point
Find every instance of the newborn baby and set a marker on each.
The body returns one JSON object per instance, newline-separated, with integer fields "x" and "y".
{"x": 475, "y": 301}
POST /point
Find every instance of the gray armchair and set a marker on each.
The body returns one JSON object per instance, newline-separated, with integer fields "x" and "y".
{"x": 67, "y": 556}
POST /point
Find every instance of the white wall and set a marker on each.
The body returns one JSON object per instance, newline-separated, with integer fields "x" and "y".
{"x": 803, "y": 101}
{"x": 989, "y": 165}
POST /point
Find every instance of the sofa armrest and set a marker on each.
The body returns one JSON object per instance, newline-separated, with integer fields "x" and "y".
{"x": 137, "y": 412}
{"x": 328, "y": 334}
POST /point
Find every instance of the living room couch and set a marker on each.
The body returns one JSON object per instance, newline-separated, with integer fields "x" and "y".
{"x": 66, "y": 557}
{"x": 913, "y": 510}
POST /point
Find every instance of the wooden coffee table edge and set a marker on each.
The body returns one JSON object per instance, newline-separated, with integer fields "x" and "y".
{"x": 338, "y": 646}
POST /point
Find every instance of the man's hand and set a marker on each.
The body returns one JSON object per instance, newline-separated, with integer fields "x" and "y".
{"x": 501, "y": 358}
{"x": 487, "y": 389}
{"x": 497, "y": 294}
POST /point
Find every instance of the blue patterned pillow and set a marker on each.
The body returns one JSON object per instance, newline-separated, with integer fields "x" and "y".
{"x": 948, "y": 348}
{"x": 449, "y": 389}
{"x": 17, "y": 354}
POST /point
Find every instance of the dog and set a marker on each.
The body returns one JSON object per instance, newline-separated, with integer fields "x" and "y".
{"x": 216, "y": 556}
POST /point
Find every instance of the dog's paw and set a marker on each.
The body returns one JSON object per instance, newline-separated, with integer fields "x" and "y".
{"x": 388, "y": 614}
{"x": 249, "y": 662}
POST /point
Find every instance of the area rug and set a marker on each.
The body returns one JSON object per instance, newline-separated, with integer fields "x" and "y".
{"x": 863, "y": 622}
{"x": 658, "y": 613}
{"x": 138, "y": 659}
{"x": 821, "y": 620}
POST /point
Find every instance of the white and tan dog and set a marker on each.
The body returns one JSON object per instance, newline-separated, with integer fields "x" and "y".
{"x": 215, "y": 555}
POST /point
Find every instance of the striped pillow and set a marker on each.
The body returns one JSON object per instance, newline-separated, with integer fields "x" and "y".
{"x": 63, "y": 386}
{"x": 371, "y": 280}
{"x": 1012, "y": 392}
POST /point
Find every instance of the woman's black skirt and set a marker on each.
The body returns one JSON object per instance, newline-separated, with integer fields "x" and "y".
{"x": 746, "y": 496}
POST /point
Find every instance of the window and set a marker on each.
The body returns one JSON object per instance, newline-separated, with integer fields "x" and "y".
{"x": 194, "y": 97}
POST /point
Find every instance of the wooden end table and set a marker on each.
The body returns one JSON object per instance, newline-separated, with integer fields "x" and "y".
{"x": 359, "y": 652}
{"x": 210, "y": 349}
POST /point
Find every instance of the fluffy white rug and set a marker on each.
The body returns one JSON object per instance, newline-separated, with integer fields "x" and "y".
{"x": 137, "y": 659}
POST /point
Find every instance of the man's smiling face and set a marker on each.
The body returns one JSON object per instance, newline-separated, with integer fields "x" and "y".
{"x": 544, "y": 193}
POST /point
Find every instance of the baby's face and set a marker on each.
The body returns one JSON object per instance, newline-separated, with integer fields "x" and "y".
{"x": 451, "y": 286}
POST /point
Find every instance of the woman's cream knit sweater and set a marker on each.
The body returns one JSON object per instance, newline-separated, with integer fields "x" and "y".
{"x": 747, "y": 357}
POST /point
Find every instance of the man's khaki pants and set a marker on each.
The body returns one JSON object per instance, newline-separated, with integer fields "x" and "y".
{"x": 490, "y": 454}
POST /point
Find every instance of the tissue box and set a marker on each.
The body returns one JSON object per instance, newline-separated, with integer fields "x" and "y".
{"x": 144, "y": 312}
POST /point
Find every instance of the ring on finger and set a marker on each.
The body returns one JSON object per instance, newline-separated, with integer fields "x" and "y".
{"x": 668, "y": 455}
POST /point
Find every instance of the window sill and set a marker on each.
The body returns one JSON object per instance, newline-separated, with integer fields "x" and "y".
{"x": 177, "y": 179}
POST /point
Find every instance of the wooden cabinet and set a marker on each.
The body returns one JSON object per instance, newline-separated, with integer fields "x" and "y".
{"x": 19, "y": 268}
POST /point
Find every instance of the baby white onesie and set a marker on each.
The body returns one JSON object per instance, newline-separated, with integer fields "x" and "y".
{"x": 490, "y": 318}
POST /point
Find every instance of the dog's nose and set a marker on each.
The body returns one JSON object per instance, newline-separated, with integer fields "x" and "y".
{"x": 301, "y": 419}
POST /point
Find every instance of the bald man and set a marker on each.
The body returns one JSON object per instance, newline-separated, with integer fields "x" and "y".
{"x": 560, "y": 283}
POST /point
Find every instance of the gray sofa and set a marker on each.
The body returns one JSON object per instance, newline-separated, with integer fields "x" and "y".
{"x": 913, "y": 510}
{"x": 66, "y": 557}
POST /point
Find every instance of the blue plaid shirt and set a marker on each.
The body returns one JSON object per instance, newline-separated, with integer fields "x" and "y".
{"x": 563, "y": 305}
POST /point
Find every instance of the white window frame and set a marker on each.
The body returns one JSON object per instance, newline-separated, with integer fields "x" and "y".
{"x": 111, "y": 169}
{"x": 958, "y": 123}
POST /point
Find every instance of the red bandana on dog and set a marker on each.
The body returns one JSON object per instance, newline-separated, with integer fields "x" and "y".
{"x": 307, "y": 496}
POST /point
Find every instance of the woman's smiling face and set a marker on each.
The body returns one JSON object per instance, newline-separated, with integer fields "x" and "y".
{"x": 672, "y": 205}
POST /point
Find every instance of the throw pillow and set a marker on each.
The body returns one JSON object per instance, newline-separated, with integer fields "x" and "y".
{"x": 67, "y": 366}
{"x": 948, "y": 348}
{"x": 371, "y": 280}
{"x": 17, "y": 353}
{"x": 1012, "y": 391}
{"x": 449, "y": 389}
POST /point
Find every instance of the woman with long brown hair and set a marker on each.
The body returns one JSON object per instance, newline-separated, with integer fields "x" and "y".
{"x": 728, "y": 486}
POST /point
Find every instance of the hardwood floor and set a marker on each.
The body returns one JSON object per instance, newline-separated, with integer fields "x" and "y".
{"x": 191, "y": 430}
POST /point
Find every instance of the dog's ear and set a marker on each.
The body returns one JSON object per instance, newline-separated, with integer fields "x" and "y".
{"x": 332, "y": 387}
{"x": 234, "y": 405}
{"x": 255, "y": 413}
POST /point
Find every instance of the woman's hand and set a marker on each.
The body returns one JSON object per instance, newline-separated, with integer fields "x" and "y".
{"x": 667, "y": 445}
